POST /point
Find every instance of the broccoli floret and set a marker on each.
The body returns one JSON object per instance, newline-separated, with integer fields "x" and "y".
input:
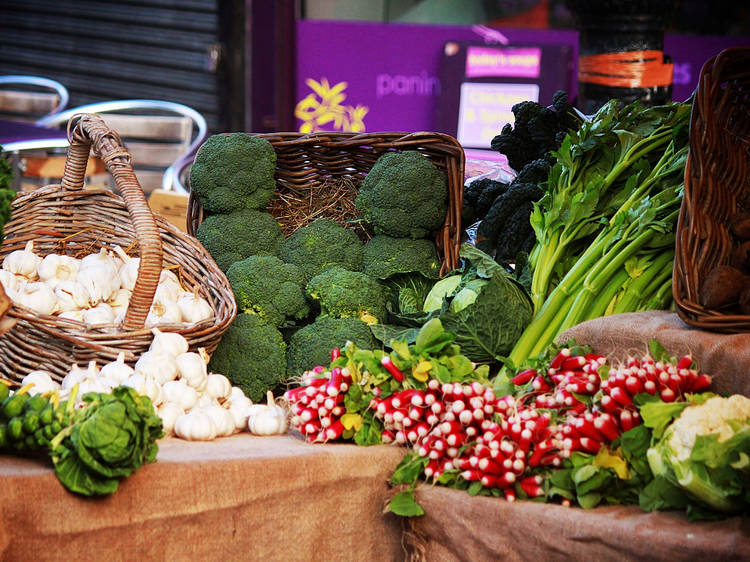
{"x": 252, "y": 355}
{"x": 385, "y": 256}
{"x": 270, "y": 288}
{"x": 349, "y": 294}
{"x": 234, "y": 171}
{"x": 320, "y": 245}
{"x": 404, "y": 195}
{"x": 238, "y": 235}
{"x": 312, "y": 345}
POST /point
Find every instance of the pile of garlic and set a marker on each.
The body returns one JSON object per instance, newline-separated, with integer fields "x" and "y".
{"x": 192, "y": 403}
{"x": 95, "y": 289}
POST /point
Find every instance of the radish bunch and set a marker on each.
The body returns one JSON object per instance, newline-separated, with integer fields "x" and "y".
{"x": 570, "y": 377}
{"x": 467, "y": 428}
{"x": 318, "y": 405}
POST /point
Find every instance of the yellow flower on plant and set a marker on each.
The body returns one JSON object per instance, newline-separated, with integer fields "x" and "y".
{"x": 421, "y": 370}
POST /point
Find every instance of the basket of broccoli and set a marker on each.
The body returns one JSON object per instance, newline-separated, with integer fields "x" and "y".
{"x": 303, "y": 287}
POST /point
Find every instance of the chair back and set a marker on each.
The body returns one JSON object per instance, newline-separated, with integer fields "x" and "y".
{"x": 30, "y": 98}
{"x": 156, "y": 134}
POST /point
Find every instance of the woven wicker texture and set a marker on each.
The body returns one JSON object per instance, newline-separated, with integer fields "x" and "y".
{"x": 304, "y": 162}
{"x": 717, "y": 184}
{"x": 69, "y": 219}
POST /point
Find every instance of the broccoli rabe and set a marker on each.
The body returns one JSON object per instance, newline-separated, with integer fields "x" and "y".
{"x": 348, "y": 294}
{"x": 385, "y": 256}
{"x": 270, "y": 288}
{"x": 320, "y": 245}
{"x": 234, "y": 171}
{"x": 252, "y": 354}
{"x": 312, "y": 345}
{"x": 404, "y": 195}
{"x": 238, "y": 235}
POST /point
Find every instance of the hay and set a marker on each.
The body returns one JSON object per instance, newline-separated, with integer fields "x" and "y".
{"x": 333, "y": 199}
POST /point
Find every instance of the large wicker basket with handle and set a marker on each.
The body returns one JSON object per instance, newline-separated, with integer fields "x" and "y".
{"x": 307, "y": 161}
{"x": 717, "y": 185}
{"x": 69, "y": 219}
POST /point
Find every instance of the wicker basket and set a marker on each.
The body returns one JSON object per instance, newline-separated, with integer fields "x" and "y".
{"x": 69, "y": 219}
{"x": 306, "y": 161}
{"x": 717, "y": 184}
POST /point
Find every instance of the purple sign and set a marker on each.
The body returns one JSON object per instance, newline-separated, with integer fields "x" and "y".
{"x": 361, "y": 76}
{"x": 519, "y": 63}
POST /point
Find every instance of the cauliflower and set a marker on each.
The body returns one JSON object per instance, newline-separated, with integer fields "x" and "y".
{"x": 711, "y": 417}
{"x": 706, "y": 453}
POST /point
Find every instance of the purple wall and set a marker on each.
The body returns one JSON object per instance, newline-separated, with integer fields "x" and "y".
{"x": 386, "y": 77}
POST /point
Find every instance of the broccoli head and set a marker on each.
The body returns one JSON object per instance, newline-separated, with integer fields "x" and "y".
{"x": 234, "y": 171}
{"x": 238, "y": 235}
{"x": 404, "y": 195}
{"x": 252, "y": 355}
{"x": 312, "y": 345}
{"x": 270, "y": 288}
{"x": 320, "y": 245}
{"x": 349, "y": 294}
{"x": 385, "y": 256}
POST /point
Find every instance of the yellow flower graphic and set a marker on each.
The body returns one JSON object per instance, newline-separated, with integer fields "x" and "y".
{"x": 322, "y": 110}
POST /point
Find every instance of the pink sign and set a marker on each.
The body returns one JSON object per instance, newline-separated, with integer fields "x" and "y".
{"x": 508, "y": 61}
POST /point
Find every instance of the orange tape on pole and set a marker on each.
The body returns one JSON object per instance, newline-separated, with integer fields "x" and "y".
{"x": 629, "y": 69}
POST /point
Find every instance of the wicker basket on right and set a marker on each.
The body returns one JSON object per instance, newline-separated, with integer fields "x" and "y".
{"x": 717, "y": 185}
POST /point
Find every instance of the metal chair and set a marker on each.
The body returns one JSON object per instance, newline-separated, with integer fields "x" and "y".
{"x": 158, "y": 134}
{"x": 30, "y": 98}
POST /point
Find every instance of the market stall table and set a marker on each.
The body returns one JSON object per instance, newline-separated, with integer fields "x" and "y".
{"x": 236, "y": 498}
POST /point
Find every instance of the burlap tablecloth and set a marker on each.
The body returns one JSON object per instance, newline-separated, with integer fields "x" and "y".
{"x": 236, "y": 498}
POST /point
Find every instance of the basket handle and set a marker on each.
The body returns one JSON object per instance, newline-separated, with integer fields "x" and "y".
{"x": 87, "y": 131}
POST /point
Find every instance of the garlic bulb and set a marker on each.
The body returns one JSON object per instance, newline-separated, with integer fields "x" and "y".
{"x": 222, "y": 419}
{"x": 23, "y": 262}
{"x": 100, "y": 314}
{"x": 146, "y": 385}
{"x": 102, "y": 257}
{"x": 117, "y": 370}
{"x": 171, "y": 344}
{"x": 192, "y": 369}
{"x": 38, "y": 297}
{"x": 194, "y": 308}
{"x": 157, "y": 365}
{"x": 239, "y": 407}
{"x": 178, "y": 391}
{"x": 55, "y": 268}
{"x": 71, "y": 295}
{"x": 10, "y": 282}
{"x": 72, "y": 315}
{"x": 166, "y": 294}
{"x": 169, "y": 412}
{"x": 77, "y": 375}
{"x": 167, "y": 278}
{"x": 195, "y": 426}
{"x": 100, "y": 280}
{"x": 271, "y": 420}
{"x": 218, "y": 386}
{"x": 163, "y": 312}
{"x": 120, "y": 300}
{"x": 42, "y": 382}
{"x": 128, "y": 271}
